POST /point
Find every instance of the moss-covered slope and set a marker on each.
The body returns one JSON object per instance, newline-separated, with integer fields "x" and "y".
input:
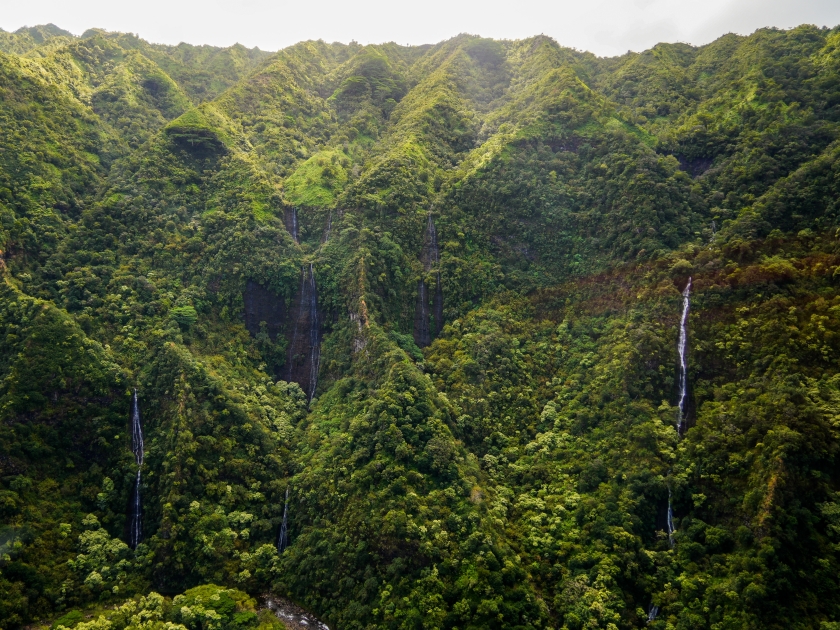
{"x": 259, "y": 244}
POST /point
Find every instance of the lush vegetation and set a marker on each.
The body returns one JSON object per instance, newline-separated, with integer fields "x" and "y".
{"x": 168, "y": 215}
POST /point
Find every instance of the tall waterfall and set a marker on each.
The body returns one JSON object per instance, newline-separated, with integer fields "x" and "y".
{"x": 136, "y": 516}
{"x": 437, "y": 306}
{"x": 328, "y": 231}
{"x": 431, "y": 231}
{"x": 437, "y": 300}
{"x": 293, "y": 342}
{"x": 671, "y": 528}
{"x": 653, "y": 611}
{"x": 304, "y": 358}
{"x": 422, "y": 334}
{"x": 283, "y": 538}
{"x": 290, "y": 219}
{"x": 314, "y": 335}
{"x": 430, "y": 257}
{"x": 683, "y": 349}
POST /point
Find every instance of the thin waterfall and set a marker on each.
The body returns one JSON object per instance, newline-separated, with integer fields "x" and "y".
{"x": 304, "y": 357}
{"x": 314, "y": 334}
{"x": 328, "y": 231}
{"x": 136, "y": 516}
{"x": 290, "y": 220}
{"x": 671, "y": 528}
{"x": 433, "y": 244}
{"x": 437, "y": 306}
{"x": 283, "y": 538}
{"x": 430, "y": 257}
{"x": 437, "y": 300}
{"x": 653, "y": 611}
{"x": 422, "y": 334}
{"x": 294, "y": 339}
{"x": 683, "y": 349}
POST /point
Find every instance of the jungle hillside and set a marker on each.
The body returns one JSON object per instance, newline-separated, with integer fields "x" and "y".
{"x": 476, "y": 335}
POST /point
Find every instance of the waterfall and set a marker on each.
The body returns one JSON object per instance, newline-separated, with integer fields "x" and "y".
{"x": 437, "y": 306}
{"x": 136, "y": 516}
{"x": 290, "y": 220}
{"x": 430, "y": 257}
{"x": 653, "y": 610}
{"x": 433, "y": 244}
{"x": 683, "y": 348}
{"x": 328, "y": 231}
{"x": 314, "y": 334}
{"x": 422, "y": 334}
{"x": 437, "y": 300}
{"x": 304, "y": 358}
{"x": 671, "y": 528}
{"x": 283, "y": 538}
{"x": 293, "y": 342}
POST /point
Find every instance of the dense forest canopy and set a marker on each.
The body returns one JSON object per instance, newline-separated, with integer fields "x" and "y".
{"x": 404, "y": 334}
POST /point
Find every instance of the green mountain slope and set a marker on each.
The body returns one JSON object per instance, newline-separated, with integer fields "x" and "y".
{"x": 26, "y": 39}
{"x": 403, "y": 328}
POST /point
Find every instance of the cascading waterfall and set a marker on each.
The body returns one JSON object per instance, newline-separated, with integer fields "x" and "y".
{"x": 430, "y": 257}
{"x": 653, "y": 611}
{"x": 328, "y": 231}
{"x": 683, "y": 349}
{"x": 422, "y": 334}
{"x": 314, "y": 334}
{"x": 293, "y": 343}
{"x": 671, "y": 528}
{"x": 437, "y": 300}
{"x": 290, "y": 220}
{"x": 433, "y": 244}
{"x": 283, "y": 538}
{"x": 437, "y": 305}
{"x": 304, "y": 358}
{"x": 136, "y": 516}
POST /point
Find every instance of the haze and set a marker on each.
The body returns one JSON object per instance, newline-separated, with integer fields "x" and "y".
{"x": 605, "y": 27}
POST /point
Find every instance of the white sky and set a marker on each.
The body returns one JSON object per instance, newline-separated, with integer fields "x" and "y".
{"x": 605, "y": 27}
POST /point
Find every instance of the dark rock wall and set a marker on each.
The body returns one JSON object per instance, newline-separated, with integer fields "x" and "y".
{"x": 424, "y": 330}
{"x": 262, "y": 305}
{"x": 304, "y": 334}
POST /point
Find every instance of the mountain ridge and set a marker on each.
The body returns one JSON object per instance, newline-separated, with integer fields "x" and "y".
{"x": 476, "y": 251}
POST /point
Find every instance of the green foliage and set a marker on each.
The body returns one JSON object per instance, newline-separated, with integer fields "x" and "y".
{"x": 317, "y": 181}
{"x": 517, "y": 472}
{"x": 207, "y": 607}
{"x": 25, "y": 39}
{"x": 186, "y": 316}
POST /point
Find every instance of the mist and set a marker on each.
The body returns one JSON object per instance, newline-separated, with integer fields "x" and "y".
{"x": 604, "y": 27}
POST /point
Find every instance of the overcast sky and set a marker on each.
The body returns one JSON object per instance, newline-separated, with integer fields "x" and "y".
{"x": 605, "y": 27}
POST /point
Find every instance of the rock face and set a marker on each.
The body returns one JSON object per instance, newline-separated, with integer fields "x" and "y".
{"x": 262, "y": 305}
{"x": 422, "y": 333}
{"x": 304, "y": 335}
{"x": 437, "y": 307}
{"x": 426, "y": 329}
{"x": 300, "y": 324}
